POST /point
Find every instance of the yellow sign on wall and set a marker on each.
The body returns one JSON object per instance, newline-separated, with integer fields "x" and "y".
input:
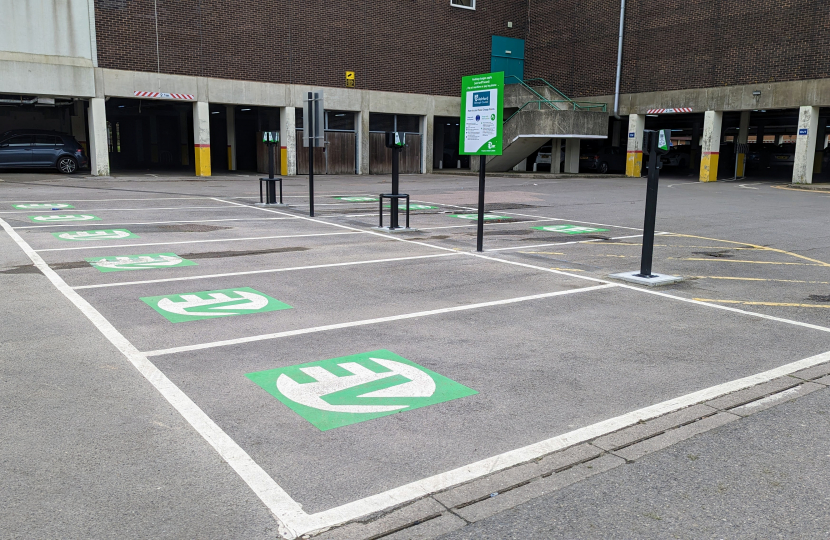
{"x": 350, "y": 79}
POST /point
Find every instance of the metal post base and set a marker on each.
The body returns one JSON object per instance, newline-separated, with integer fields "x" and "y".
{"x": 653, "y": 280}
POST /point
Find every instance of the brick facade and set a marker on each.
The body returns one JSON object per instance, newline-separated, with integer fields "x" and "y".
{"x": 425, "y": 46}
{"x": 421, "y": 46}
{"x": 676, "y": 44}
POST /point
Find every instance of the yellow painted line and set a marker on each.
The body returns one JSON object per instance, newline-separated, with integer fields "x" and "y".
{"x": 763, "y": 279}
{"x": 765, "y": 248}
{"x": 716, "y": 259}
{"x": 802, "y": 190}
{"x": 774, "y": 304}
{"x": 567, "y": 269}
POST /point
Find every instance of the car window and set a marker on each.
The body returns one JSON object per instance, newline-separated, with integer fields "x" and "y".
{"x": 23, "y": 140}
{"x": 45, "y": 140}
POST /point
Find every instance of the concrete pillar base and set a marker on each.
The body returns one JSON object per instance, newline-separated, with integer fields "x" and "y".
{"x": 710, "y": 146}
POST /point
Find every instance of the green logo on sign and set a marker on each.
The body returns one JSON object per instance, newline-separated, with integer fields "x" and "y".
{"x": 107, "y": 234}
{"x": 138, "y": 262}
{"x": 350, "y": 389}
{"x": 63, "y": 217}
{"x": 212, "y": 304}
{"x": 358, "y": 199}
{"x": 568, "y": 229}
{"x": 42, "y": 206}
{"x": 487, "y": 217}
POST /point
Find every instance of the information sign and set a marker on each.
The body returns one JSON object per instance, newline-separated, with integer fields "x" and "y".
{"x": 482, "y": 105}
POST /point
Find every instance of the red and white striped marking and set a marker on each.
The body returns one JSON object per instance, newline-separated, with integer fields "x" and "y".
{"x": 163, "y": 95}
{"x": 669, "y": 111}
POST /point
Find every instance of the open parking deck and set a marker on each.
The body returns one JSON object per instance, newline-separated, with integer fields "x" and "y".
{"x": 342, "y": 371}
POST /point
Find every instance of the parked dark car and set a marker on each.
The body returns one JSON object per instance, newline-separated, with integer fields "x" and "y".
{"x": 783, "y": 155}
{"x": 607, "y": 158}
{"x": 677, "y": 156}
{"x": 31, "y": 148}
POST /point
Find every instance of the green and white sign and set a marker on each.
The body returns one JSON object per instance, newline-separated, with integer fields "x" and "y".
{"x": 43, "y": 206}
{"x": 414, "y": 206}
{"x": 568, "y": 229}
{"x": 212, "y": 304}
{"x": 487, "y": 217}
{"x": 138, "y": 262}
{"x": 106, "y": 234}
{"x": 358, "y": 199}
{"x": 482, "y": 106}
{"x": 350, "y": 389}
{"x": 63, "y": 217}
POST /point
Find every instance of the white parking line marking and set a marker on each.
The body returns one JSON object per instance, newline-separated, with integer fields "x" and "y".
{"x": 270, "y": 270}
{"x": 145, "y": 209}
{"x": 490, "y": 224}
{"x": 284, "y": 508}
{"x": 119, "y": 224}
{"x": 197, "y": 241}
{"x": 571, "y": 242}
{"x": 109, "y": 200}
{"x": 418, "y": 314}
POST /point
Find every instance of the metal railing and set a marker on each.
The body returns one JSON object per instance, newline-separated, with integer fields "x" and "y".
{"x": 527, "y": 87}
{"x": 577, "y": 106}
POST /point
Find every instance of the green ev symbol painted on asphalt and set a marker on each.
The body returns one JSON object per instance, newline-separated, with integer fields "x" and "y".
{"x": 42, "y": 206}
{"x": 106, "y": 234}
{"x": 64, "y": 217}
{"x": 350, "y": 389}
{"x": 358, "y": 199}
{"x": 212, "y": 304}
{"x": 414, "y": 206}
{"x": 568, "y": 229}
{"x": 138, "y": 262}
{"x": 487, "y": 217}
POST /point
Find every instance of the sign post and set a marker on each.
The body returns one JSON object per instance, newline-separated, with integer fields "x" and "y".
{"x": 395, "y": 141}
{"x": 482, "y": 110}
{"x": 314, "y": 136}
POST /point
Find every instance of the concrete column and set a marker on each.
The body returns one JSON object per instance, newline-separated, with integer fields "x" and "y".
{"x": 821, "y": 141}
{"x": 743, "y": 136}
{"x": 694, "y": 162}
{"x": 634, "y": 155}
{"x": 805, "y": 145}
{"x": 615, "y": 133}
{"x": 362, "y": 135}
{"x": 555, "y": 154}
{"x": 230, "y": 125}
{"x": 427, "y": 133}
{"x": 571, "y": 155}
{"x": 288, "y": 142}
{"x": 201, "y": 137}
{"x": 98, "y": 147}
{"x": 710, "y": 145}
{"x": 521, "y": 166}
{"x": 185, "y": 147}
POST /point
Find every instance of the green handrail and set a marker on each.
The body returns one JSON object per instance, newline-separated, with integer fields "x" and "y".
{"x": 532, "y": 91}
{"x": 549, "y": 85}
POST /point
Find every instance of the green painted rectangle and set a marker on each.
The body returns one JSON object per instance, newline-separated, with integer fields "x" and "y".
{"x": 482, "y": 111}
{"x": 212, "y": 304}
{"x": 104, "y": 234}
{"x": 569, "y": 229}
{"x": 42, "y": 206}
{"x": 50, "y": 218}
{"x": 119, "y": 263}
{"x": 357, "y": 199}
{"x": 342, "y": 391}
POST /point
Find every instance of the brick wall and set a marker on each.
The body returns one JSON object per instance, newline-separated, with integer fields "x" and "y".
{"x": 677, "y": 44}
{"x": 421, "y": 46}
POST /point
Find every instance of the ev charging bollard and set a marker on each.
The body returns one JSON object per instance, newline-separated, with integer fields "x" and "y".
{"x": 656, "y": 143}
{"x": 314, "y": 136}
{"x": 395, "y": 141}
{"x": 271, "y": 140}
